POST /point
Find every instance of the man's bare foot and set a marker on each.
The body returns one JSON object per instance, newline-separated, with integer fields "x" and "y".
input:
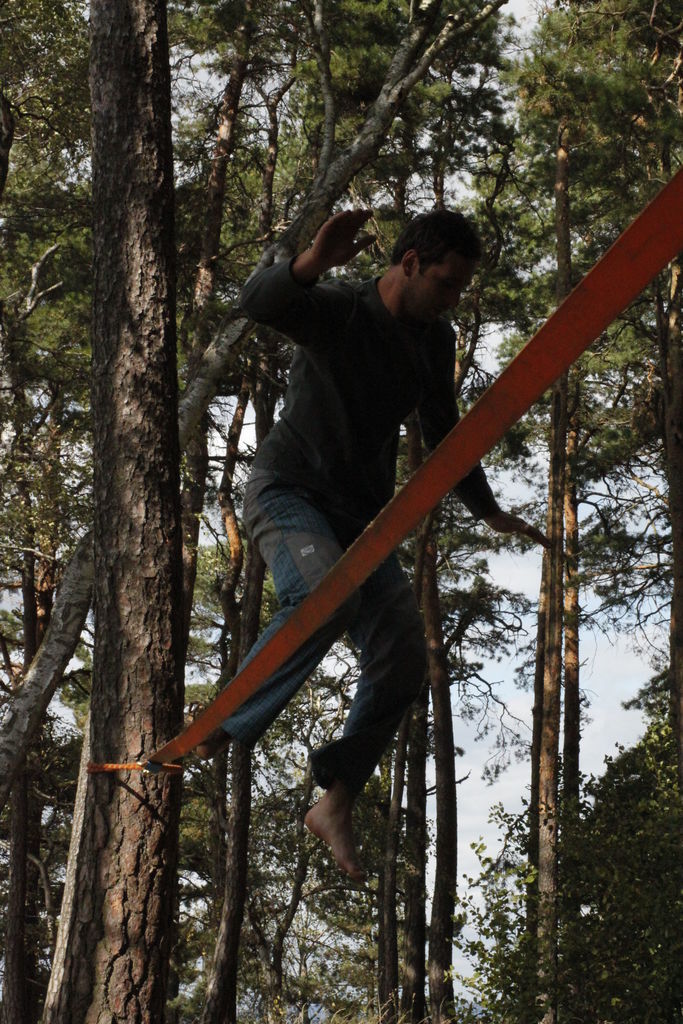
{"x": 215, "y": 743}
{"x": 330, "y": 820}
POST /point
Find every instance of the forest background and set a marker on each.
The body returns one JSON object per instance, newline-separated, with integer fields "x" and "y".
{"x": 119, "y": 275}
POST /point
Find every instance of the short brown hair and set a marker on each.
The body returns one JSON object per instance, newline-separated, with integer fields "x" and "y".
{"x": 434, "y": 234}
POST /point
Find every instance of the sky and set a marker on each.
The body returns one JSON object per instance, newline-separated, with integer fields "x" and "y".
{"x": 612, "y": 672}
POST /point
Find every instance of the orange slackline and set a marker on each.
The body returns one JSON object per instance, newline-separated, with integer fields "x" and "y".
{"x": 653, "y": 239}
{"x": 132, "y": 766}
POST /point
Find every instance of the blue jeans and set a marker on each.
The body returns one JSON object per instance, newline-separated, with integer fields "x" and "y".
{"x": 300, "y": 543}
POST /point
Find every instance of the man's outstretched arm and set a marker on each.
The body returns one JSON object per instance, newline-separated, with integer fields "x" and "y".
{"x": 508, "y": 522}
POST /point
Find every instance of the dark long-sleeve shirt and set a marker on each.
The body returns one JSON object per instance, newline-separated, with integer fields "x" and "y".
{"x": 356, "y": 374}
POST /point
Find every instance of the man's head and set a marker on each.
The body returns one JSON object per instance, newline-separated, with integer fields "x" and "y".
{"x": 432, "y": 262}
{"x": 432, "y": 235}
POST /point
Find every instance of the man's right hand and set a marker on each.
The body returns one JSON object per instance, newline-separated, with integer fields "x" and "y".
{"x": 333, "y": 246}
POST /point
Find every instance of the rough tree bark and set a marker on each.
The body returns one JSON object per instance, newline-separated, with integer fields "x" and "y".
{"x": 116, "y": 966}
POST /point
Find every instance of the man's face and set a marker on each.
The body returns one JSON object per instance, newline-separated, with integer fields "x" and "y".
{"x": 432, "y": 292}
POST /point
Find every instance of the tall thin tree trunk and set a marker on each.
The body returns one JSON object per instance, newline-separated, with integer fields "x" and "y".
{"x": 196, "y": 465}
{"x": 220, "y": 1005}
{"x": 229, "y": 604}
{"x": 116, "y": 965}
{"x": 221, "y": 1000}
{"x": 20, "y": 994}
{"x": 572, "y": 703}
{"x": 14, "y": 993}
{"x": 671, "y": 360}
{"x": 388, "y": 992}
{"x": 273, "y": 946}
{"x": 225, "y": 144}
{"x": 550, "y": 730}
{"x": 53, "y": 1011}
{"x": 197, "y": 460}
{"x": 445, "y": 870}
{"x": 221, "y": 997}
{"x": 670, "y": 343}
{"x": 537, "y": 726}
{"x": 6, "y": 138}
{"x": 14, "y": 988}
{"x": 413, "y": 1003}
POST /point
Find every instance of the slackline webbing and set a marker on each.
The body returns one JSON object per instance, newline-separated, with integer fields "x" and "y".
{"x": 653, "y": 239}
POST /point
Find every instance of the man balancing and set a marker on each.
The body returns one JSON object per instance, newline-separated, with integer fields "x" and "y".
{"x": 367, "y": 354}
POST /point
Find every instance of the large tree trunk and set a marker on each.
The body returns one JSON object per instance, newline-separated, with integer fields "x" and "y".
{"x": 117, "y": 963}
{"x": 670, "y": 338}
{"x": 445, "y": 870}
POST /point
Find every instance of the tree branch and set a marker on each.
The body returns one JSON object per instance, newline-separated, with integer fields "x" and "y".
{"x": 25, "y": 711}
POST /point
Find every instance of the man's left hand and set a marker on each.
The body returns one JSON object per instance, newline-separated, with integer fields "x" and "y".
{"x": 507, "y": 522}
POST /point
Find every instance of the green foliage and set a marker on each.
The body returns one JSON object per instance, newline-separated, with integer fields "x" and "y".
{"x": 620, "y": 946}
{"x": 622, "y": 940}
